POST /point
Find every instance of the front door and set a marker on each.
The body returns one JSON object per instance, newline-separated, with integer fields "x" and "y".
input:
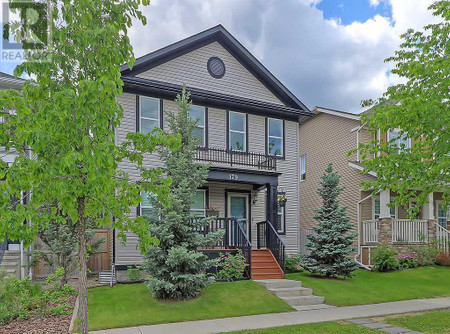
{"x": 238, "y": 207}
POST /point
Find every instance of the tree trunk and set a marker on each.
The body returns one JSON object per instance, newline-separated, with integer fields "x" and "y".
{"x": 82, "y": 274}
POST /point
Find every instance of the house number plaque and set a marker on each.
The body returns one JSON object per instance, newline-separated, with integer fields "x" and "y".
{"x": 234, "y": 177}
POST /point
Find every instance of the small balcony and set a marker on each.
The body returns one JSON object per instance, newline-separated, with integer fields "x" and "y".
{"x": 237, "y": 158}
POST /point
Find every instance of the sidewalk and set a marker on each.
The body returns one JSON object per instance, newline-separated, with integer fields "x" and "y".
{"x": 283, "y": 319}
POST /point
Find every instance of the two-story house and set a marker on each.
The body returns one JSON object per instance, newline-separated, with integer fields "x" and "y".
{"x": 374, "y": 220}
{"x": 248, "y": 122}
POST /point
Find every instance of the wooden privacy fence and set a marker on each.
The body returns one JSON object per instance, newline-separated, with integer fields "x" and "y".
{"x": 407, "y": 231}
{"x": 100, "y": 261}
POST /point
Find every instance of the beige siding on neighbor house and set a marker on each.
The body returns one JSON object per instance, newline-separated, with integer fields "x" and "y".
{"x": 190, "y": 69}
{"x": 324, "y": 139}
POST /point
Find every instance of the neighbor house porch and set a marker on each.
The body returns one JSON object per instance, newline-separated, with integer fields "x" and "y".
{"x": 380, "y": 223}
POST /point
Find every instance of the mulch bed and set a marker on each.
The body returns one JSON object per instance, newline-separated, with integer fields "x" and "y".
{"x": 35, "y": 323}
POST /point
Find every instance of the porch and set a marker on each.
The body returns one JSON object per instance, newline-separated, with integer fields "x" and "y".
{"x": 381, "y": 223}
{"x": 265, "y": 261}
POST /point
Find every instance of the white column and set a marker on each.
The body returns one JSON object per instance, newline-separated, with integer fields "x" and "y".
{"x": 428, "y": 208}
{"x": 385, "y": 199}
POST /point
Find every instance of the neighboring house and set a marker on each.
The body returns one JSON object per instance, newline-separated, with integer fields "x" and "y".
{"x": 373, "y": 219}
{"x": 249, "y": 129}
{"x": 12, "y": 254}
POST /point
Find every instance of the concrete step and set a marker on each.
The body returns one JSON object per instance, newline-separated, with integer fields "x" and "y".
{"x": 11, "y": 256}
{"x": 268, "y": 276}
{"x": 313, "y": 307}
{"x": 291, "y": 292}
{"x": 279, "y": 283}
{"x": 303, "y": 300}
{"x": 10, "y": 260}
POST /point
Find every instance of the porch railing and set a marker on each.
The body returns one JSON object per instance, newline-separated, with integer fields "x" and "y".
{"x": 234, "y": 238}
{"x": 407, "y": 231}
{"x": 442, "y": 238}
{"x": 267, "y": 237}
{"x": 232, "y": 157}
{"x": 371, "y": 229}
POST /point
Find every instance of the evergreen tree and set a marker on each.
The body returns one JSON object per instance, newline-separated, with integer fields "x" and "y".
{"x": 177, "y": 270}
{"x": 330, "y": 246}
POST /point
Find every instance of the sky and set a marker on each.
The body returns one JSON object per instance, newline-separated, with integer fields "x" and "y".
{"x": 329, "y": 53}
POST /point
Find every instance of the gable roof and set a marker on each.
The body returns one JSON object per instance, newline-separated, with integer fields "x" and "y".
{"x": 10, "y": 81}
{"x": 232, "y": 45}
{"x": 317, "y": 110}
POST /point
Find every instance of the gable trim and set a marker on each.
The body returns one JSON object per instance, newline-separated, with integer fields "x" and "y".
{"x": 224, "y": 38}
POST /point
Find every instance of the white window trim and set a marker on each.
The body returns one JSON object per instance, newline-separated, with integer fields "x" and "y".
{"x": 141, "y": 206}
{"x": 302, "y": 170}
{"x": 399, "y": 149}
{"x": 203, "y": 127}
{"x": 275, "y": 137}
{"x": 203, "y": 211}
{"x": 149, "y": 118}
{"x": 237, "y": 131}
{"x": 447, "y": 216}
{"x": 377, "y": 197}
{"x": 283, "y": 220}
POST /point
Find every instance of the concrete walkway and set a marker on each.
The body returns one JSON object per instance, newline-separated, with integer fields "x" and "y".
{"x": 283, "y": 319}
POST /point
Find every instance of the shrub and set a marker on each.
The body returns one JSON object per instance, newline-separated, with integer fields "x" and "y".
{"x": 443, "y": 259}
{"x": 231, "y": 266}
{"x": 426, "y": 255}
{"x": 294, "y": 263}
{"x": 384, "y": 258}
{"x": 134, "y": 274}
{"x": 407, "y": 262}
{"x": 20, "y": 297}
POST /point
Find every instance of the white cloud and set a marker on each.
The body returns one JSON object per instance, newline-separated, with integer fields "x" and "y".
{"x": 324, "y": 62}
{"x": 374, "y": 3}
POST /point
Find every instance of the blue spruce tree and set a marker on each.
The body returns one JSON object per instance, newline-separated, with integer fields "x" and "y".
{"x": 331, "y": 245}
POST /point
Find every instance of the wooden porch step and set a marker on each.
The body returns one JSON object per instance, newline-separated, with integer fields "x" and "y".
{"x": 265, "y": 266}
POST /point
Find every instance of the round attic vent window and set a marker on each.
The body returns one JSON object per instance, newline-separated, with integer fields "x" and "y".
{"x": 216, "y": 67}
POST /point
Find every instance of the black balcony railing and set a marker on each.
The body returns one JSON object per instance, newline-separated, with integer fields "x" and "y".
{"x": 234, "y": 237}
{"x": 232, "y": 157}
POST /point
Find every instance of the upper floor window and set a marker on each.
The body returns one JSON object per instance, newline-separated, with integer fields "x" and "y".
{"x": 237, "y": 125}
{"x": 303, "y": 167}
{"x": 146, "y": 208}
{"x": 198, "y": 206}
{"x": 401, "y": 141}
{"x": 198, "y": 114}
{"x": 149, "y": 114}
{"x": 275, "y": 137}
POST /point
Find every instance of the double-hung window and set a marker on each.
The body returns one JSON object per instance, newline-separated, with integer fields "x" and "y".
{"x": 303, "y": 167}
{"x": 149, "y": 114}
{"x": 198, "y": 114}
{"x": 146, "y": 208}
{"x": 237, "y": 136}
{"x": 401, "y": 141}
{"x": 275, "y": 137}
{"x": 198, "y": 206}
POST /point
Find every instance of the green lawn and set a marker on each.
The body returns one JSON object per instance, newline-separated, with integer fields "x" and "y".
{"x": 375, "y": 287}
{"x": 436, "y": 322}
{"x": 332, "y": 327}
{"x": 131, "y": 305}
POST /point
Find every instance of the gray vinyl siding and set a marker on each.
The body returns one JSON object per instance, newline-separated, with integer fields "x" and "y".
{"x": 288, "y": 181}
{"x": 190, "y": 69}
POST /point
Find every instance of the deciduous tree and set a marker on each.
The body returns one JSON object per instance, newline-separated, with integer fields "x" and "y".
{"x": 420, "y": 109}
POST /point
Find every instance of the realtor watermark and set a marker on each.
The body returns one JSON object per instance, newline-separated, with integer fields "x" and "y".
{"x": 26, "y": 31}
